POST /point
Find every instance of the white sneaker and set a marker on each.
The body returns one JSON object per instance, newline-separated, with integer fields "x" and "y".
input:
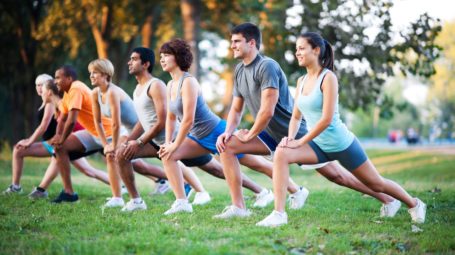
{"x": 232, "y": 211}
{"x": 132, "y": 206}
{"x": 201, "y": 198}
{"x": 390, "y": 209}
{"x": 115, "y": 202}
{"x": 264, "y": 198}
{"x": 418, "y": 212}
{"x": 161, "y": 188}
{"x": 297, "y": 200}
{"x": 275, "y": 219}
{"x": 180, "y": 205}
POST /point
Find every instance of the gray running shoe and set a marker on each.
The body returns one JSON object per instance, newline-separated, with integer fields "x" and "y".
{"x": 11, "y": 190}
{"x": 37, "y": 194}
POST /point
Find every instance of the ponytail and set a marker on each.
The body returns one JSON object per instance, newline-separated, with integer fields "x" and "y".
{"x": 326, "y": 56}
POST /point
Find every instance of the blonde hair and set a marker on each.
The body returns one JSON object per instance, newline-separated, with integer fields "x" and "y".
{"x": 42, "y": 78}
{"x": 103, "y": 66}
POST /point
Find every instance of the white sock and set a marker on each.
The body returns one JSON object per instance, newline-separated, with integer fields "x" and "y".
{"x": 16, "y": 187}
{"x": 182, "y": 200}
{"x": 137, "y": 200}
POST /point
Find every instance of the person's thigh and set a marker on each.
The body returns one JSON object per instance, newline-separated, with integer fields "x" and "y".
{"x": 189, "y": 149}
{"x": 84, "y": 139}
{"x": 148, "y": 151}
{"x": 72, "y": 143}
{"x": 35, "y": 150}
{"x": 301, "y": 155}
{"x": 254, "y": 146}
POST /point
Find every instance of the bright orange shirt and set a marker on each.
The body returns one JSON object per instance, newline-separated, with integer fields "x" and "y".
{"x": 79, "y": 97}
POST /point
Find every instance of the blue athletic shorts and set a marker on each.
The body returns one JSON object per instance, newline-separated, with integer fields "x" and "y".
{"x": 209, "y": 141}
{"x": 269, "y": 142}
{"x": 350, "y": 158}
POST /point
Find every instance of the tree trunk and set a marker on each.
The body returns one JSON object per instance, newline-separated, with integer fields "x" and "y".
{"x": 191, "y": 17}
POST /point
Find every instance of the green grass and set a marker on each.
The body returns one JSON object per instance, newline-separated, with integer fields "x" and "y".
{"x": 335, "y": 220}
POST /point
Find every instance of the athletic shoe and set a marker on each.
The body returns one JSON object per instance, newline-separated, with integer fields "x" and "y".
{"x": 37, "y": 193}
{"x": 65, "y": 197}
{"x": 161, "y": 187}
{"x": 264, "y": 198}
{"x": 201, "y": 198}
{"x": 188, "y": 190}
{"x": 390, "y": 209}
{"x": 275, "y": 219}
{"x": 124, "y": 190}
{"x": 133, "y": 206}
{"x": 232, "y": 211}
{"x": 418, "y": 212}
{"x": 114, "y": 202}
{"x": 180, "y": 205}
{"x": 297, "y": 200}
{"x": 12, "y": 190}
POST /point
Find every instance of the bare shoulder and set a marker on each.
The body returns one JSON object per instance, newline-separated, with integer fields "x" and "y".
{"x": 157, "y": 83}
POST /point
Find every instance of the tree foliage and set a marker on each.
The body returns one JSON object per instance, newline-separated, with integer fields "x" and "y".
{"x": 39, "y": 35}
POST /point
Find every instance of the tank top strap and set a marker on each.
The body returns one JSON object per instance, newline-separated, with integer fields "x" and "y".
{"x": 185, "y": 74}
{"x": 321, "y": 77}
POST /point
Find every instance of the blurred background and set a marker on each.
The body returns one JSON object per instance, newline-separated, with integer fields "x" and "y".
{"x": 395, "y": 59}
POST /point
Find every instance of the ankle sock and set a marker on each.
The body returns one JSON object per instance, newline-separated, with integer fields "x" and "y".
{"x": 40, "y": 189}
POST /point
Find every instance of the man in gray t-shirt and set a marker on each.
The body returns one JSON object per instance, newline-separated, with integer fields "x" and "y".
{"x": 249, "y": 82}
{"x": 260, "y": 83}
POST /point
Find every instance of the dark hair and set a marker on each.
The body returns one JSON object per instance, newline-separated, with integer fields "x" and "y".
{"x": 181, "y": 51}
{"x": 326, "y": 56}
{"x": 50, "y": 85}
{"x": 249, "y": 31}
{"x": 69, "y": 71}
{"x": 146, "y": 55}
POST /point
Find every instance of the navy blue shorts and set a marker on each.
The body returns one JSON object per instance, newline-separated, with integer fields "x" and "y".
{"x": 350, "y": 158}
{"x": 198, "y": 161}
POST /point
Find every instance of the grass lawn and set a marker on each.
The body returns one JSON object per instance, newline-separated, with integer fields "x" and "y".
{"x": 335, "y": 220}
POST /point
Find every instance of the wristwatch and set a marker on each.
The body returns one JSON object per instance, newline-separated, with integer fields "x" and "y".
{"x": 141, "y": 143}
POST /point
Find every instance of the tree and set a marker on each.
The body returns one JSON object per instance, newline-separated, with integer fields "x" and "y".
{"x": 22, "y": 60}
{"x": 442, "y": 89}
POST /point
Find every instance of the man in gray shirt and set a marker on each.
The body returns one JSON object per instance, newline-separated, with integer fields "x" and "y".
{"x": 261, "y": 84}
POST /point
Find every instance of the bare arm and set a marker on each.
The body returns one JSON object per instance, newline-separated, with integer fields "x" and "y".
{"x": 329, "y": 92}
{"x": 114, "y": 104}
{"x": 294, "y": 123}
{"x": 269, "y": 99}
{"x": 189, "y": 93}
{"x": 70, "y": 121}
{"x": 170, "y": 119}
{"x": 39, "y": 131}
{"x": 97, "y": 118}
{"x": 157, "y": 91}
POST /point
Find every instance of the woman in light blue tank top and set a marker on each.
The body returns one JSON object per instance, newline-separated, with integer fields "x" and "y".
{"x": 328, "y": 138}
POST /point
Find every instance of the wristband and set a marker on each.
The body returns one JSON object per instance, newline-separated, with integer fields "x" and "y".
{"x": 141, "y": 143}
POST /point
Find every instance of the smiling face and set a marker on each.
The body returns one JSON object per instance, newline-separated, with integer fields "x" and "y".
{"x": 97, "y": 78}
{"x": 63, "y": 83}
{"x": 305, "y": 54}
{"x": 240, "y": 46}
{"x": 168, "y": 62}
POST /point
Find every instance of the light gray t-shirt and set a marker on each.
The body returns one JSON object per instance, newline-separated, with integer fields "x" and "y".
{"x": 263, "y": 73}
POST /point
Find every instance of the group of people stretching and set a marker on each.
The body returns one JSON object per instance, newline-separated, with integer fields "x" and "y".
{"x": 173, "y": 123}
